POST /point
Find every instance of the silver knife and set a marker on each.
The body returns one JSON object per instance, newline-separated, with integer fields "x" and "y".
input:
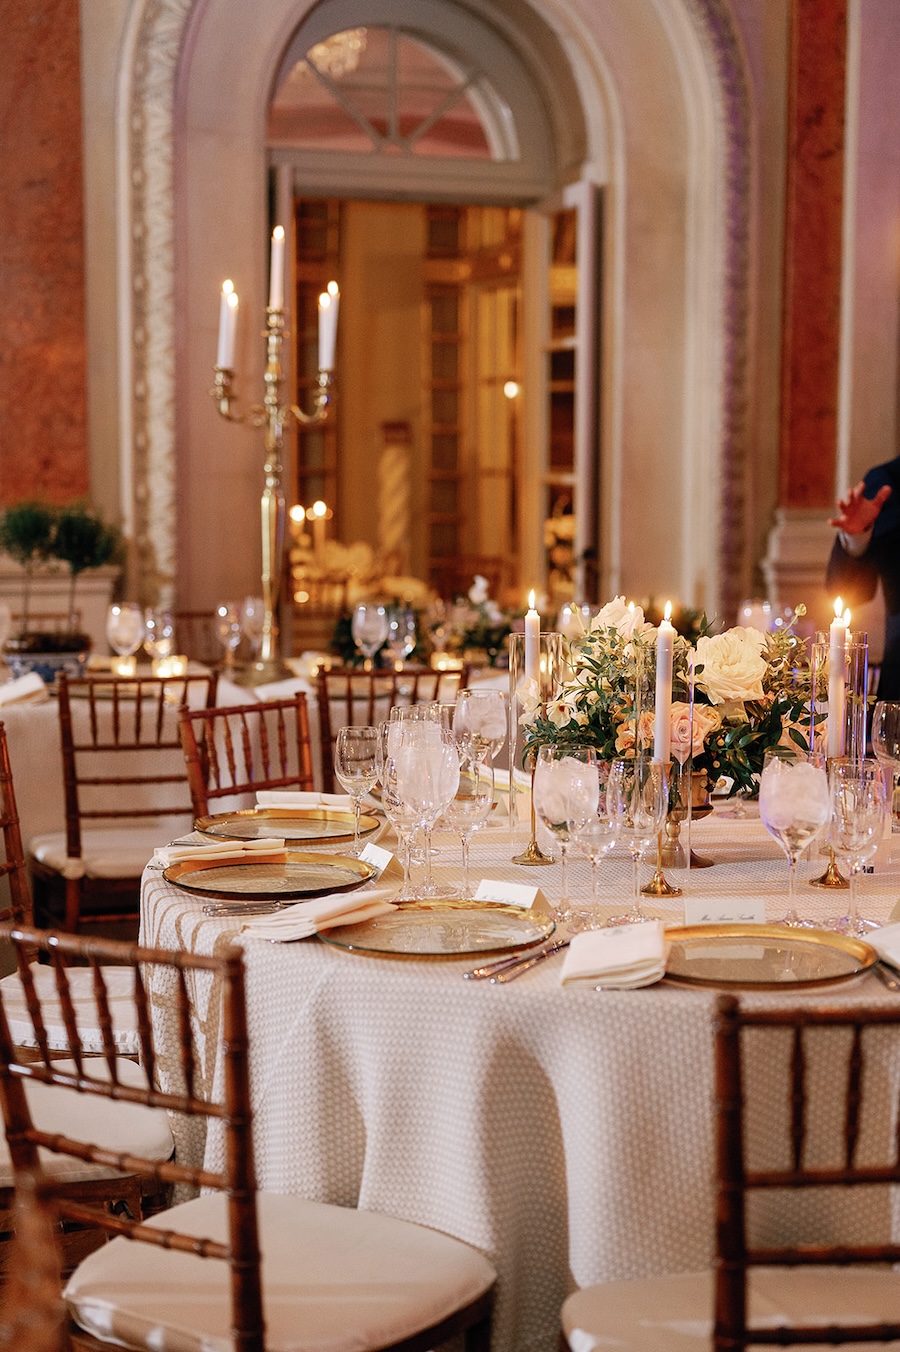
{"x": 524, "y": 964}
{"x": 491, "y": 969}
{"x": 224, "y": 908}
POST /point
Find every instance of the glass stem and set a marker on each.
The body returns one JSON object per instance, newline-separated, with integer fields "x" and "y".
{"x": 853, "y": 909}
{"x": 792, "y": 916}
{"x": 357, "y": 809}
{"x": 564, "y": 852}
{"x": 595, "y": 879}
{"x": 636, "y": 882}
{"x": 428, "y": 879}
{"x": 464, "y": 840}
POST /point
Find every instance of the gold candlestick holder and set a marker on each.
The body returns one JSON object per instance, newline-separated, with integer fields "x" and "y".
{"x": 271, "y": 415}
{"x": 533, "y": 854}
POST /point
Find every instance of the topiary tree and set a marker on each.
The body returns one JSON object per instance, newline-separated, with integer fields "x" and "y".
{"x": 82, "y": 540}
{"x": 26, "y": 534}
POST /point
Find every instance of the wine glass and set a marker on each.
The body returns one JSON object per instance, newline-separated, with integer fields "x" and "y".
{"x": 859, "y": 804}
{"x": 468, "y": 811}
{"x": 228, "y": 629}
{"x": 886, "y": 740}
{"x": 401, "y": 637}
{"x": 553, "y": 773}
{"x": 125, "y": 627}
{"x": 794, "y": 807}
{"x": 252, "y": 618}
{"x": 427, "y": 761}
{"x": 369, "y": 627}
{"x": 396, "y": 811}
{"x": 638, "y": 792}
{"x": 592, "y": 822}
{"x": 356, "y": 767}
{"x": 480, "y": 719}
{"x": 159, "y": 632}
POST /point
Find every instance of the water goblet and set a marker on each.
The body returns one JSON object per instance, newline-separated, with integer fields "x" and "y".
{"x": 125, "y": 627}
{"x": 794, "y": 807}
{"x": 638, "y": 792}
{"x": 252, "y": 619}
{"x": 592, "y": 822}
{"x": 859, "y": 805}
{"x": 159, "y": 632}
{"x": 401, "y": 637}
{"x": 886, "y": 742}
{"x": 480, "y": 718}
{"x": 554, "y": 768}
{"x": 471, "y": 806}
{"x": 356, "y": 767}
{"x": 228, "y": 629}
{"x": 427, "y": 781}
{"x": 369, "y": 627}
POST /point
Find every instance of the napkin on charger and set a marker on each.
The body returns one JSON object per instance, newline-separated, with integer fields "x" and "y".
{"x": 31, "y": 688}
{"x": 620, "y": 957}
{"x": 288, "y": 798}
{"x": 886, "y": 942}
{"x": 222, "y": 852}
{"x": 304, "y": 918}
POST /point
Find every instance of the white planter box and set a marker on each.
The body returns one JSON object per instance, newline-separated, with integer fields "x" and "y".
{"x": 50, "y": 596}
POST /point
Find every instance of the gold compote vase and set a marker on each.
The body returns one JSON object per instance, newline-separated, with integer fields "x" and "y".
{"x": 693, "y": 794}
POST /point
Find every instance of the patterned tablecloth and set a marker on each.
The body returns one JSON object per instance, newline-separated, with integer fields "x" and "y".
{"x": 567, "y": 1134}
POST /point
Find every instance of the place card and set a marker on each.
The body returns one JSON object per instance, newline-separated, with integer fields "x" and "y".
{"x": 724, "y": 911}
{"x": 386, "y": 864}
{"x": 510, "y": 894}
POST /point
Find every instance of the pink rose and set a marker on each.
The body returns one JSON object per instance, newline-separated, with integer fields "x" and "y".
{"x": 706, "y": 720}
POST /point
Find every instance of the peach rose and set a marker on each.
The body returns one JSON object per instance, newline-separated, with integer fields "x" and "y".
{"x": 705, "y": 721}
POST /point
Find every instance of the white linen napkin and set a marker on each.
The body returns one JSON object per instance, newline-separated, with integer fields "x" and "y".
{"x": 886, "y": 942}
{"x": 308, "y": 917}
{"x": 289, "y": 798}
{"x": 221, "y": 852}
{"x": 621, "y": 957}
{"x": 30, "y": 687}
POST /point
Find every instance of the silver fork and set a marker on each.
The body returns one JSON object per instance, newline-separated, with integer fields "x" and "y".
{"x": 505, "y": 968}
{"x": 225, "y": 908}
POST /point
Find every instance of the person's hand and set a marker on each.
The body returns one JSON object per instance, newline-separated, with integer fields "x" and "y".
{"x": 857, "y": 513}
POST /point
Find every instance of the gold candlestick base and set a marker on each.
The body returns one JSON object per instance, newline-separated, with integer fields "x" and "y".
{"x": 659, "y": 885}
{"x": 832, "y": 877}
{"x": 533, "y": 854}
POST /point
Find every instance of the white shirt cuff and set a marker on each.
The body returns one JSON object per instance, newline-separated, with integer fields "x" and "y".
{"x": 856, "y": 545}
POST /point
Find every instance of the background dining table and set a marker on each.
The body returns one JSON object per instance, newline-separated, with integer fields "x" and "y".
{"x": 566, "y": 1133}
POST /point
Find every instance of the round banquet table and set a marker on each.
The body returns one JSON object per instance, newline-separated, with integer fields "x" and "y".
{"x": 565, "y": 1133}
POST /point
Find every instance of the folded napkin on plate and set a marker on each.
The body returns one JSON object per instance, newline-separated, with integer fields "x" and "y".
{"x": 308, "y": 917}
{"x": 621, "y": 957}
{"x": 292, "y": 798}
{"x": 221, "y": 852}
{"x": 31, "y": 688}
{"x": 886, "y": 942}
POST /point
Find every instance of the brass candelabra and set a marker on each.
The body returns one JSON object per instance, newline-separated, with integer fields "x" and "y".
{"x": 272, "y": 415}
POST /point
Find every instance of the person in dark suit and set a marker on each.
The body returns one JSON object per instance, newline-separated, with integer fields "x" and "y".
{"x": 866, "y": 552}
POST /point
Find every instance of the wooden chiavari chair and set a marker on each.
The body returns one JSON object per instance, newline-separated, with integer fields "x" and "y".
{"x": 782, "y": 1289}
{"x": 241, "y": 748}
{"x": 231, "y": 1268}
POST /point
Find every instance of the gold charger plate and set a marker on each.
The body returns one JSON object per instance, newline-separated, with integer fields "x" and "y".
{"x": 301, "y": 875}
{"x": 766, "y": 957}
{"x": 442, "y": 929}
{"x": 312, "y": 825}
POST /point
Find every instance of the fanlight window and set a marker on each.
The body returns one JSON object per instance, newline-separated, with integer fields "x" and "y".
{"x": 378, "y": 90}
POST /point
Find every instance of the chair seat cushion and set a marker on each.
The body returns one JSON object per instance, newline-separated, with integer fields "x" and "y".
{"x": 675, "y": 1314}
{"x": 119, "y": 983}
{"x": 334, "y": 1280}
{"x": 115, "y": 1125}
{"x": 108, "y": 853}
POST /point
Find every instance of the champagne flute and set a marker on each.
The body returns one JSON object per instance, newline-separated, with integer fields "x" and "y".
{"x": 468, "y": 811}
{"x": 228, "y": 629}
{"x": 369, "y": 627}
{"x": 481, "y": 719}
{"x": 639, "y": 799}
{"x": 356, "y": 767}
{"x": 427, "y": 780}
{"x": 125, "y": 627}
{"x": 592, "y": 822}
{"x": 794, "y": 807}
{"x": 859, "y": 805}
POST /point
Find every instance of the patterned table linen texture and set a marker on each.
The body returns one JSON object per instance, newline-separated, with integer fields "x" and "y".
{"x": 567, "y": 1134}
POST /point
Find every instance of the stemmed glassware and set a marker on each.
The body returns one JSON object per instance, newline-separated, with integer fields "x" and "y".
{"x": 794, "y": 807}
{"x": 592, "y": 821}
{"x": 228, "y": 629}
{"x": 356, "y": 767}
{"x": 427, "y": 760}
{"x": 400, "y": 816}
{"x": 470, "y": 808}
{"x": 886, "y": 740}
{"x": 401, "y": 636}
{"x": 480, "y": 718}
{"x": 553, "y": 774}
{"x": 369, "y": 627}
{"x": 859, "y": 804}
{"x": 125, "y": 627}
{"x": 159, "y": 632}
{"x": 252, "y": 618}
{"x": 638, "y": 791}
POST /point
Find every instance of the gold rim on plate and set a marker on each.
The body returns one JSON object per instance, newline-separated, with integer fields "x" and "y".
{"x": 764, "y": 957}
{"x": 262, "y": 823}
{"x": 435, "y": 931}
{"x": 299, "y": 875}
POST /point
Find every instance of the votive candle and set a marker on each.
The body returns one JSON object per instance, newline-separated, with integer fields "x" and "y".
{"x": 665, "y": 650}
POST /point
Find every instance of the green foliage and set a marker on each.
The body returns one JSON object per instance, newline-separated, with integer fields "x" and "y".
{"x": 26, "y": 532}
{"x": 82, "y": 540}
{"x": 34, "y": 532}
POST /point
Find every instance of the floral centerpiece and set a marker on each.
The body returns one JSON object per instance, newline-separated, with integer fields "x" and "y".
{"x": 474, "y": 621}
{"x": 750, "y": 693}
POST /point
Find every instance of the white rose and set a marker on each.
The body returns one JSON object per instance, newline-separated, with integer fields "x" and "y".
{"x": 733, "y": 665}
{"x": 478, "y": 592}
{"x": 619, "y": 615}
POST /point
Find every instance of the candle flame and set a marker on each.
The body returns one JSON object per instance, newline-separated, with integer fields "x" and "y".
{"x": 297, "y": 513}
{"x": 324, "y": 301}
{"x": 278, "y": 232}
{"x": 333, "y": 289}
{"x": 531, "y": 600}
{"x": 319, "y": 508}
{"x": 847, "y": 618}
{"x": 631, "y": 606}
{"x": 227, "y": 286}
{"x": 667, "y": 613}
{"x": 231, "y": 300}
{"x": 838, "y": 608}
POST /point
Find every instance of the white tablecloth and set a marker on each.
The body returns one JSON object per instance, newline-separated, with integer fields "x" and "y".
{"x": 567, "y": 1134}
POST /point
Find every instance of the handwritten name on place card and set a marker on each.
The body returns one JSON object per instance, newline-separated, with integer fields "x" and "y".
{"x": 724, "y": 911}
